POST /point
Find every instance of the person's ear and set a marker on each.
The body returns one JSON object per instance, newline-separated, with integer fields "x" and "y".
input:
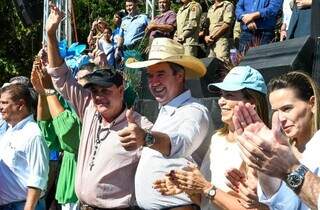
{"x": 312, "y": 103}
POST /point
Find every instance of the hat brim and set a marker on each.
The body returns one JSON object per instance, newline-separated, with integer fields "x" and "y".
{"x": 194, "y": 67}
{"x": 89, "y": 84}
{"x": 224, "y": 86}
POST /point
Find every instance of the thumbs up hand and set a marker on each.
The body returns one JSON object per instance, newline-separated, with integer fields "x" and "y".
{"x": 132, "y": 136}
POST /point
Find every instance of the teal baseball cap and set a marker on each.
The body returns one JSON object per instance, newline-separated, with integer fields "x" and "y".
{"x": 241, "y": 77}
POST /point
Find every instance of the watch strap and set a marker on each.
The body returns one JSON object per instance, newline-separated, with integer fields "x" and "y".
{"x": 298, "y": 174}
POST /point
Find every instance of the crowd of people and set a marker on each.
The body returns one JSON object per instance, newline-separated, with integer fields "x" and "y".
{"x": 72, "y": 138}
{"x": 215, "y": 31}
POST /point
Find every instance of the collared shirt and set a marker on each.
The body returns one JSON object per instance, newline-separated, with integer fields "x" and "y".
{"x": 268, "y": 9}
{"x": 167, "y": 18}
{"x": 133, "y": 28}
{"x": 116, "y": 35}
{"x": 24, "y": 161}
{"x": 108, "y": 49}
{"x": 3, "y": 126}
{"x": 188, "y": 23}
{"x": 186, "y": 122}
{"x": 221, "y": 13}
{"x": 109, "y": 183}
{"x": 285, "y": 198}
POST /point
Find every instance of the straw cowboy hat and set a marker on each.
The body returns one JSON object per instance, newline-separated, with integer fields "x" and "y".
{"x": 167, "y": 50}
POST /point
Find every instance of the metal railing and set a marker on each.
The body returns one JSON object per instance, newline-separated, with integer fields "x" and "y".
{"x": 64, "y": 30}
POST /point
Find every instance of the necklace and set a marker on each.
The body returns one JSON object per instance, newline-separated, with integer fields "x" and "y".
{"x": 102, "y": 134}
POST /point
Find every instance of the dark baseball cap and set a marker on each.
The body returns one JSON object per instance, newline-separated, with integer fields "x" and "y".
{"x": 103, "y": 77}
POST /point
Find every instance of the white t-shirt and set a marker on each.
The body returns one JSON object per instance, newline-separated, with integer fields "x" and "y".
{"x": 222, "y": 156}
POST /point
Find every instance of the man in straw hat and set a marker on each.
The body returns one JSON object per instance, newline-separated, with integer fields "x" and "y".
{"x": 105, "y": 171}
{"x": 180, "y": 128}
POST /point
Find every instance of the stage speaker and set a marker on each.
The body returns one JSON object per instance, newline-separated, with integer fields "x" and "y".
{"x": 216, "y": 71}
{"x": 315, "y": 17}
{"x": 29, "y": 10}
{"x": 281, "y": 57}
{"x": 316, "y": 63}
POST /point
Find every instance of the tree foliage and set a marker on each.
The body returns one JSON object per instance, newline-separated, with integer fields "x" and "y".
{"x": 19, "y": 43}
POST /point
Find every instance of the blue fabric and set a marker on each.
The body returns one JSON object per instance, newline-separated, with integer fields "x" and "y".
{"x": 251, "y": 39}
{"x": 117, "y": 32}
{"x": 133, "y": 28}
{"x": 268, "y": 9}
{"x": 75, "y": 62}
{"x": 53, "y": 155}
{"x": 300, "y": 23}
{"x": 3, "y": 126}
{"x": 41, "y": 205}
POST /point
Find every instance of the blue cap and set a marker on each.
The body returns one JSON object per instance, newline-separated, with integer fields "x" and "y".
{"x": 241, "y": 77}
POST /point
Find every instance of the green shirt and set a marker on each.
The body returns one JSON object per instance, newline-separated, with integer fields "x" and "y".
{"x": 62, "y": 133}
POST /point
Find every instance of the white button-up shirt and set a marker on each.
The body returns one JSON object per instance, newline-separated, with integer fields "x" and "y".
{"x": 285, "y": 198}
{"x": 186, "y": 122}
{"x": 24, "y": 161}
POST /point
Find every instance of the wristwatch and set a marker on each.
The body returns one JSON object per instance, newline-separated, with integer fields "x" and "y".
{"x": 149, "y": 138}
{"x": 295, "y": 179}
{"x": 49, "y": 92}
{"x": 211, "y": 193}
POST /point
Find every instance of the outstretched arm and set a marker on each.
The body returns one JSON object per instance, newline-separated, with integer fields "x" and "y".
{"x": 53, "y": 22}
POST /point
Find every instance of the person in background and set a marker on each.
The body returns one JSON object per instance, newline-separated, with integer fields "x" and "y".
{"x": 97, "y": 28}
{"x": 221, "y": 17}
{"x": 188, "y": 26}
{"x": 164, "y": 24}
{"x": 300, "y": 21}
{"x": 24, "y": 161}
{"x": 133, "y": 25}
{"x": 258, "y": 20}
{"x": 286, "y": 16}
{"x": 117, "y": 38}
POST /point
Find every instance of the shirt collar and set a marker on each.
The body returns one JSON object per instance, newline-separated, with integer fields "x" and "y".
{"x": 218, "y": 5}
{"x": 186, "y": 6}
{"x": 21, "y": 124}
{"x": 176, "y": 102}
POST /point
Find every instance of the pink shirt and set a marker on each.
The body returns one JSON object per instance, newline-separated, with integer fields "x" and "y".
{"x": 109, "y": 183}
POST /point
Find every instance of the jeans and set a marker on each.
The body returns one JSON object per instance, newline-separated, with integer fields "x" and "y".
{"x": 250, "y": 39}
{"x": 19, "y": 205}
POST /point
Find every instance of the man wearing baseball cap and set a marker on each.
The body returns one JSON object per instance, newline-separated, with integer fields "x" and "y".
{"x": 180, "y": 128}
{"x": 105, "y": 171}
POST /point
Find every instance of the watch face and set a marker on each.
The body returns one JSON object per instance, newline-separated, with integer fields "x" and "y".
{"x": 212, "y": 192}
{"x": 294, "y": 180}
{"x": 149, "y": 139}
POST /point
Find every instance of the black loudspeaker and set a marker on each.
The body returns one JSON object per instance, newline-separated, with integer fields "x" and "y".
{"x": 316, "y": 63}
{"x": 315, "y": 17}
{"x": 281, "y": 57}
{"x": 216, "y": 71}
{"x": 29, "y": 10}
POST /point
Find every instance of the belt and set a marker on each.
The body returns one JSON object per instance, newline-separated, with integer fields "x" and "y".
{"x": 88, "y": 207}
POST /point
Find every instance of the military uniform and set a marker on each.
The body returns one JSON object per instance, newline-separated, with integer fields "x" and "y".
{"x": 188, "y": 24}
{"x": 218, "y": 14}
